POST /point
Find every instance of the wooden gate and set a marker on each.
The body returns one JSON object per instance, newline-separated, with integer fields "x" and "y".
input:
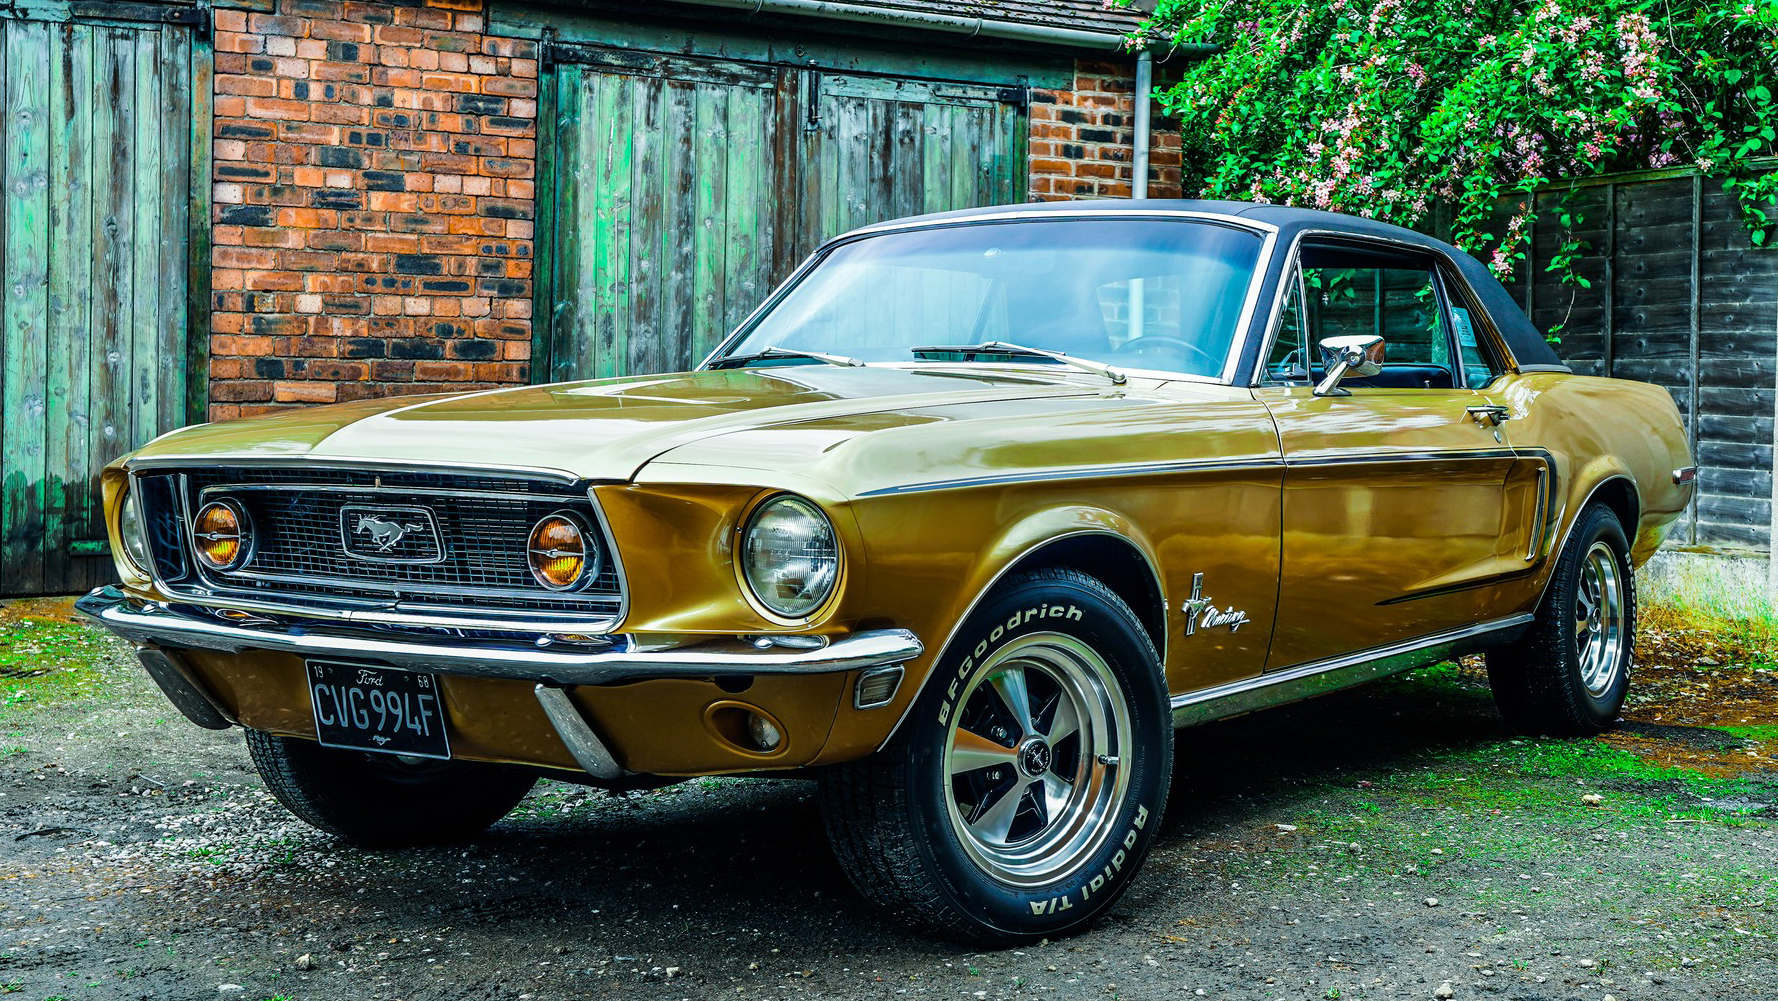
{"x": 95, "y": 264}
{"x": 677, "y": 190}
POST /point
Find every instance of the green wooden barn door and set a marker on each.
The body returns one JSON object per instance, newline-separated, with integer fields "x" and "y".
{"x": 678, "y": 190}
{"x": 95, "y": 159}
{"x": 884, "y": 147}
{"x": 665, "y": 186}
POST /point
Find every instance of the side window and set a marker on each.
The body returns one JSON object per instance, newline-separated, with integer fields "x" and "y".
{"x": 1356, "y": 292}
{"x": 1289, "y": 358}
{"x": 1480, "y": 366}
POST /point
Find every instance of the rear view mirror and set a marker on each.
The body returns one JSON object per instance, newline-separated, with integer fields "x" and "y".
{"x": 1358, "y": 356}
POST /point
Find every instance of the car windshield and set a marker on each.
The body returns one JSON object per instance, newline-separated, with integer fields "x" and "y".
{"x": 1162, "y": 294}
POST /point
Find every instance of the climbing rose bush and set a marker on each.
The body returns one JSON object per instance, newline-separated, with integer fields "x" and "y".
{"x": 1385, "y": 107}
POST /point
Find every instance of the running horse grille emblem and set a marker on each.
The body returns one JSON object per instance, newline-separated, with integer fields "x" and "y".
{"x": 390, "y": 534}
{"x": 385, "y": 534}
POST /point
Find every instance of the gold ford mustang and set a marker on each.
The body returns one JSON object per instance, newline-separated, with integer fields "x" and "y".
{"x": 963, "y": 521}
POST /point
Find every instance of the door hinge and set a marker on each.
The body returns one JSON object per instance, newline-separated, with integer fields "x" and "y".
{"x": 1020, "y": 96}
{"x": 95, "y": 10}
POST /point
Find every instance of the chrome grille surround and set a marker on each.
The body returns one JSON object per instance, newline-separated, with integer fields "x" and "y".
{"x": 300, "y": 566}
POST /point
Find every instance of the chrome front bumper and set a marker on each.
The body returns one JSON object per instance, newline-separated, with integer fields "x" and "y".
{"x": 194, "y": 627}
{"x": 161, "y": 629}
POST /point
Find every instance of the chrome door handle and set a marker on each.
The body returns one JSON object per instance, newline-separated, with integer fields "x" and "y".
{"x": 1489, "y": 416}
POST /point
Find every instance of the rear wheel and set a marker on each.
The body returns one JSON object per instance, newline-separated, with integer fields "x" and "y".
{"x": 1024, "y": 790}
{"x": 1570, "y": 672}
{"x": 382, "y": 799}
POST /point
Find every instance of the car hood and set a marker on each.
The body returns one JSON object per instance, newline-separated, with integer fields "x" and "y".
{"x": 605, "y": 429}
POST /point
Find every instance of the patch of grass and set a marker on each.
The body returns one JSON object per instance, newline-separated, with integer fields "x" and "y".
{"x": 45, "y": 660}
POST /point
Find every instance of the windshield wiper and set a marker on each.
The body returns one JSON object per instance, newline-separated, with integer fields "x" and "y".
{"x": 740, "y": 361}
{"x": 1008, "y": 348}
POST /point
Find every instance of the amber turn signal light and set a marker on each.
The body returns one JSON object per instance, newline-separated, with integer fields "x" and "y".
{"x": 220, "y": 534}
{"x": 560, "y": 554}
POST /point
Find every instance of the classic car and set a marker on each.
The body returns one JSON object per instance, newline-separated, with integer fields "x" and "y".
{"x": 962, "y": 522}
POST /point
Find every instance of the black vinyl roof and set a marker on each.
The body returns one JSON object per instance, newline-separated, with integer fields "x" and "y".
{"x": 1526, "y": 343}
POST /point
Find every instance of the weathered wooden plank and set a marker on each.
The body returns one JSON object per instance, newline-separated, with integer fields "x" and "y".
{"x": 747, "y": 199}
{"x": 642, "y": 338}
{"x": 113, "y": 237}
{"x": 26, "y": 257}
{"x": 171, "y": 116}
{"x": 709, "y": 240}
{"x": 680, "y": 164}
{"x": 608, "y": 217}
{"x": 73, "y": 514}
{"x": 573, "y": 189}
{"x": 145, "y": 336}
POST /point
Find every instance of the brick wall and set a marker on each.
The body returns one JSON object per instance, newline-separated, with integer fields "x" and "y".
{"x": 1081, "y": 138}
{"x": 373, "y": 203}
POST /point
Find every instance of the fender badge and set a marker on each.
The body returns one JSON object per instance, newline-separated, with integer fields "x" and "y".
{"x": 1201, "y": 611}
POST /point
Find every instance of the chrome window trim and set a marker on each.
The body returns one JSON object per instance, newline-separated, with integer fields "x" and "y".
{"x": 1446, "y": 263}
{"x": 1267, "y": 232}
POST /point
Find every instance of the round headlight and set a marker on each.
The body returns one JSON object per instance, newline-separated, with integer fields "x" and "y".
{"x": 562, "y": 553}
{"x": 790, "y": 557}
{"x": 134, "y": 532}
{"x": 220, "y": 533}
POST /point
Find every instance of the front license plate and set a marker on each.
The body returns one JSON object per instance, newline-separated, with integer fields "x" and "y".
{"x": 376, "y": 709}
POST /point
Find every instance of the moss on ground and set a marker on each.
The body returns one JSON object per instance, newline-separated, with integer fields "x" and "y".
{"x": 47, "y": 657}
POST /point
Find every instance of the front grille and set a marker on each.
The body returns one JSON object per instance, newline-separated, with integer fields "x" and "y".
{"x": 461, "y": 543}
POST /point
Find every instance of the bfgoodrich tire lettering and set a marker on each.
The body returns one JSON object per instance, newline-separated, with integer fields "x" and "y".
{"x": 1025, "y": 788}
{"x": 1569, "y": 673}
{"x": 379, "y": 800}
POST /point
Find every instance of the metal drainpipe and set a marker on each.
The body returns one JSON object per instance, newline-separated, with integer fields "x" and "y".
{"x": 1144, "y": 85}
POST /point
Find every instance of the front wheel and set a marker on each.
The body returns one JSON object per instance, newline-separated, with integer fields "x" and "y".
{"x": 1570, "y": 672}
{"x": 385, "y": 800}
{"x": 1023, "y": 791}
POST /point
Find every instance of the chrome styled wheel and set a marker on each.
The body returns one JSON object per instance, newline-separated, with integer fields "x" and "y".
{"x": 1032, "y": 759}
{"x": 1599, "y": 619}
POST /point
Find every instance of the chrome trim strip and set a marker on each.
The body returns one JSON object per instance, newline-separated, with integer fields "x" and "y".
{"x": 1201, "y": 465}
{"x": 1685, "y": 474}
{"x": 617, "y": 560}
{"x": 1080, "y": 472}
{"x": 1538, "y": 513}
{"x": 583, "y": 743}
{"x": 1303, "y": 681}
{"x": 415, "y": 613}
{"x": 347, "y": 488}
{"x": 177, "y": 626}
{"x": 1018, "y": 212}
{"x": 184, "y": 689}
{"x": 153, "y": 462}
{"x": 1377, "y": 458}
{"x": 1532, "y": 369}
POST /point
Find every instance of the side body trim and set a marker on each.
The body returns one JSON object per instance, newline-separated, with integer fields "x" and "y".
{"x": 1303, "y": 681}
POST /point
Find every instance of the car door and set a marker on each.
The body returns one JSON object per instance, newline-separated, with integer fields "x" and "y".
{"x": 1403, "y": 497}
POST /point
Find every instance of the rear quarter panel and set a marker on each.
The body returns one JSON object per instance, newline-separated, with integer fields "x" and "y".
{"x": 1599, "y": 430}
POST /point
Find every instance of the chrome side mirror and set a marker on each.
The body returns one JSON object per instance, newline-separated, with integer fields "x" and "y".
{"x": 1359, "y": 356}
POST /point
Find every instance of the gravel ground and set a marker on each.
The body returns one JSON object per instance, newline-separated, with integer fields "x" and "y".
{"x": 1392, "y": 842}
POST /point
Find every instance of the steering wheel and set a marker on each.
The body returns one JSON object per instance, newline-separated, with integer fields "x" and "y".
{"x": 1138, "y": 345}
